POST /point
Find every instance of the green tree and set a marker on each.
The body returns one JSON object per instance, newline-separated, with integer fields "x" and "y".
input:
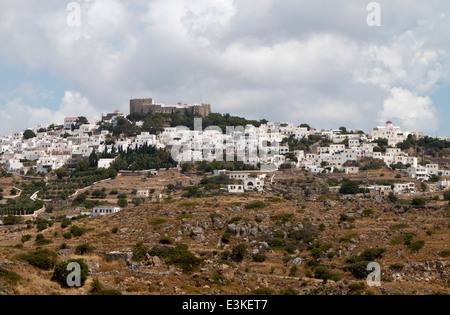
{"x": 62, "y": 172}
{"x": 12, "y": 220}
{"x": 122, "y": 203}
{"x": 28, "y": 134}
{"x": 139, "y": 252}
{"x": 447, "y": 195}
{"x": 238, "y": 253}
{"x": 349, "y": 187}
{"x": 93, "y": 159}
{"x": 81, "y": 121}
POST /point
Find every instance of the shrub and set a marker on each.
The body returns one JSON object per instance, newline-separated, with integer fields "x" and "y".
{"x": 416, "y": 246}
{"x": 368, "y": 212}
{"x": 235, "y": 220}
{"x": 347, "y": 238}
{"x": 262, "y": 291}
{"x": 41, "y": 240}
{"x": 42, "y": 259}
{"x": 157, "y": 222}
{"x": 393, "y": 198}
{"x": 359, "y": 269}
{"x": 258, "y": 257}
{"x": 370, "y": 254}
{"x": 25, "y": 238}
{"x": 290, "y": 248}
{"x": 346, "y": 218}
{"x": 99, "y": 194}
{"x": 84, "y": 249}
{"x": 115, "y": 230}
{"x": 9, "y": 277}
{"x": 137, "y": 201}
{"x": 419, "y": 201}
{"x": 255, "y": 205}
{"x": 293, "y": 271}
{"x": 12, "y": 220}
{"x": 61, "y": 273}
{"x": 356, "y": 288}
{"x": 447, "y": 195}
{"x": 238, "y": 252}
{"x": 179, "y": 256}
{"x": 77, "y": 231}
{"x": 139, "y": 252}
{"x": 226, "y": 238}
{"x": 289, "y": 291}
{"x": 166, "y": 240}
{"x": 307, "y": 236}
{"x": 349, "y": 187}
{"x": 67, "y": 235}
{"x": 444, "y": 254}
{"x": 225, "y": 255}
{"x": 283, "y": 218}
{"x": 41, "y": 225}
{"x": 277, "y": 243}
{"x": 184, "y": 215}
{"x": 316, "y": 253}
{"x": 98, "y": 289}
{"x": 185, "y": 260}
{"x": 324, "y": 274}
{"x": 66, "y": 222}
{"x": 399, "y": 227}
{"x": 122, "y": 202}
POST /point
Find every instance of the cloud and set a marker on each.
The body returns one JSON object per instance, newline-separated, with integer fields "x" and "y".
{"x": 16, "y": 115}
{"x": 415, "y": 113}
{"x": 315, "y": 62}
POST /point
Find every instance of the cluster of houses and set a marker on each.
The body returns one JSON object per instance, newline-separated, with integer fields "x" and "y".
{"x": 262, "y": 146}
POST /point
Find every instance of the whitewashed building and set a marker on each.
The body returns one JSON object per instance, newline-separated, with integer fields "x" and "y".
{"x": 404, "y": 188}
{"x": 105, "y": 210}
{"x": 105, "y": 163}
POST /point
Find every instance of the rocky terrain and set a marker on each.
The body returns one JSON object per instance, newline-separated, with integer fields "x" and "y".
{"x": 272, "y": 243}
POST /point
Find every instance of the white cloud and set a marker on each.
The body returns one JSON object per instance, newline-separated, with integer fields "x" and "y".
{"x": 16, "y": 115}
{"x": 412, "y": 112}
{"x": 317, "y": 61}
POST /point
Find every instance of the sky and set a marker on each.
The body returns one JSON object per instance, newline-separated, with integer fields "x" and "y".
{"x": 315, "y": 62}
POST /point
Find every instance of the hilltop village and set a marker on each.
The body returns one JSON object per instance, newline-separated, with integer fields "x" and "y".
{"x": 219, "y": 204}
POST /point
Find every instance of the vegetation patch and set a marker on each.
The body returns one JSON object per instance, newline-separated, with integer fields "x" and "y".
{"x": 42, "y": 259}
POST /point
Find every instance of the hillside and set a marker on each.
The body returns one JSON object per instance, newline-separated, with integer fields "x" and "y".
{"x": 287, "y": 241}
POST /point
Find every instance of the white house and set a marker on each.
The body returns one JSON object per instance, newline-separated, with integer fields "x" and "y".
{"x": 143, "y": 193}
{"x": 13, "y": 165}
{"x": 420, "y": 173}
{"x": 393, "y": 134}
{"x": 254, "y": 183}
{"x": 404, "y": 188}
{"x": 105, "y": 163}
{"x": 105, "y": 210}
{"x": 443, "y": 184}
{"x": 235, "y": 189}
{"x": 238, "y": 175}
{"x": 432, "y": 169}
{"x": 69, "y": 121}
{"x": 350, "y": 170}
